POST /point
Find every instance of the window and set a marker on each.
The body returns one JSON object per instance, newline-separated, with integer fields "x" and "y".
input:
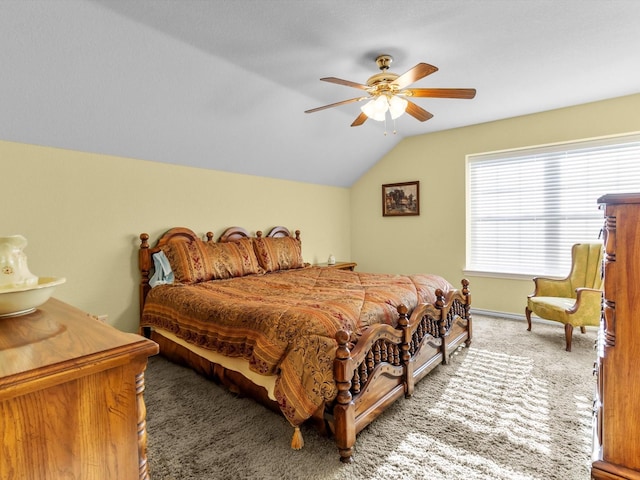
{"x": 526, "y": 207}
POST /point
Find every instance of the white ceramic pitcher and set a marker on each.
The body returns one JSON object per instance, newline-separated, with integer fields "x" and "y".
{"x": 13, "y": 263}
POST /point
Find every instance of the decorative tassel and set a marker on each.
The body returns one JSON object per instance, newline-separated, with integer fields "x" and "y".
{"x": 297, "y": 442}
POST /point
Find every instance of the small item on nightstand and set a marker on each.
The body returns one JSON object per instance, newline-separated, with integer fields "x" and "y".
{"x": 332, "y": 260}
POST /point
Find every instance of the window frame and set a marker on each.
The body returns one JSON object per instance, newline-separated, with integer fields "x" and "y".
{"x": 532, "y": 154}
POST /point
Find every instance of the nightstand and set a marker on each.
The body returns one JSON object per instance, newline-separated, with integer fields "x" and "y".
{"x": 339, "y": 265}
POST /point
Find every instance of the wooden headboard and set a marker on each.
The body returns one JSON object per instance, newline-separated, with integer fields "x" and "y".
{"x": 182, "y": 234}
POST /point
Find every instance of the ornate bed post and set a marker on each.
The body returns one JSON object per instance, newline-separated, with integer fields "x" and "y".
{"x": 405, "y": 356}
{"x": 144, "y": 263}
{"x": 344, "y": 410}
{"x": 442, "y": 324}
{"x": 467, "y": 309}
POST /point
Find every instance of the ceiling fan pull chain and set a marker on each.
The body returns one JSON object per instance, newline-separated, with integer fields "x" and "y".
{"x": 385, "y": 126}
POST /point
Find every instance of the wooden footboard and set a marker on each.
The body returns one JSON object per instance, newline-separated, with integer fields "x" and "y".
{"x": 384, "y": 363}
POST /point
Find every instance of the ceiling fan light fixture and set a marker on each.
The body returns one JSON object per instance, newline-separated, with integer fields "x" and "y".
{"x": 397, "y": 106}
{"x": 376, "y": 109}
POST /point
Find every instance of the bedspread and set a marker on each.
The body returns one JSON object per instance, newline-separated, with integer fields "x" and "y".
{"x": 284, "y": 323}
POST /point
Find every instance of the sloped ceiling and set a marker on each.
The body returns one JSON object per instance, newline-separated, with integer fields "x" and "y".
{"x": 223, "y": 84}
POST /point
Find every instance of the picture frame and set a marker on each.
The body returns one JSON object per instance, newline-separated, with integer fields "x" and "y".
{"x": 401, "y": 199}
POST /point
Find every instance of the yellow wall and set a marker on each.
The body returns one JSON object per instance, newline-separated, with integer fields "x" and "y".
{"x": 435, "y": 240}
{"x": 82, "y": 214}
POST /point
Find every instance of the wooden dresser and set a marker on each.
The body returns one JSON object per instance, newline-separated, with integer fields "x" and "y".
{"x": 617, "y": 405}
{"x": 71, "y": 397}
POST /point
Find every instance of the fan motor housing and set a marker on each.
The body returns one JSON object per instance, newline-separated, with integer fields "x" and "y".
{"x": 381, "y": 81}
{"x": 387, "y": 77}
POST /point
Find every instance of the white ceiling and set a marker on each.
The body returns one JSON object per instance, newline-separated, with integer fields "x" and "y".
{"x": 224, "y": 84}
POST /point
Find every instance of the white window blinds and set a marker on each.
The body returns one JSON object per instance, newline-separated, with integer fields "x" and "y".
{"x": 525, "y": 208}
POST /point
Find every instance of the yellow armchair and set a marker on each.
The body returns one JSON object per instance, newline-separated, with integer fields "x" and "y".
{"x": 575, "y": 301}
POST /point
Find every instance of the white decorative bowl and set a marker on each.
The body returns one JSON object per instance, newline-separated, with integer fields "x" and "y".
{"x": 25, "y": 299}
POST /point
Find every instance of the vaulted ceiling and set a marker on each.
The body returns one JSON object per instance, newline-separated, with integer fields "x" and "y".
{"x": 223, "y": 84}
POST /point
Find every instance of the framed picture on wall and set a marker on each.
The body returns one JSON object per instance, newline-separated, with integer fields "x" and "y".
{"x": 399, "y": 199}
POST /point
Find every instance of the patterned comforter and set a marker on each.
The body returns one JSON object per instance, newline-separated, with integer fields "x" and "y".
{"x": 284, "y": 323}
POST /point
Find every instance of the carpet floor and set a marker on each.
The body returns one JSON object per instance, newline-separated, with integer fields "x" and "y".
{"x": 515, "y": 405}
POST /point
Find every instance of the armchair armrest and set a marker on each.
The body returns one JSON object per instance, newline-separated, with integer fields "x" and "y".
{"x": 552, "y": 287}
{"x": 588, "y": 302}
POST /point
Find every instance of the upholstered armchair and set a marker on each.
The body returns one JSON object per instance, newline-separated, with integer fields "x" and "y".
{"x": 575, "y": 301}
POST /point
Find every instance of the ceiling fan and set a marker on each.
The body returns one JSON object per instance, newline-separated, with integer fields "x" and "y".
{"x": 388, "y": 92}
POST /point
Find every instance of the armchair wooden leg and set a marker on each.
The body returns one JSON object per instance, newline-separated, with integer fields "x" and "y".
{"x": 568, "y": 332}
{"x": 583, "y": 329}
{"x": 527, "y": 313}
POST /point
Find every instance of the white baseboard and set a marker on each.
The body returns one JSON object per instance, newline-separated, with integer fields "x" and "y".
{"x": 515, "y": 316}
{"x": 505, "y": 315}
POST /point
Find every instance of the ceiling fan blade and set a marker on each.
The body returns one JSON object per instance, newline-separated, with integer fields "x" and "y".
{"x": 360, "y": 120}
{"x": 337, "y": 104}
{"x": 421, "y": 70}
{"x": 442, "y": 92}
{"x": 417, "y": 112}
{"x": 347, "y": 83}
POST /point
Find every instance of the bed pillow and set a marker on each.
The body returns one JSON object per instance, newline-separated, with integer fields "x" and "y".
{"x": 232, "y": 259}
{"x": 200, "y": 261}
{"x": 188, "y": 261}
{"x": 278, "y": 253}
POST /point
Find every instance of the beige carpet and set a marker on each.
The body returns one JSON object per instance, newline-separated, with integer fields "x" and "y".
{"x": 515, "y": 405}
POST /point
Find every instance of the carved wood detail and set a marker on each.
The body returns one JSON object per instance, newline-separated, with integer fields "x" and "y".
{"x": 390, "y": 352}
{"x": 143, "y": 469}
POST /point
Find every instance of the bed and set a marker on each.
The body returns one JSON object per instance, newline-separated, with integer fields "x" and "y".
{"x": 329, "y": 347}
